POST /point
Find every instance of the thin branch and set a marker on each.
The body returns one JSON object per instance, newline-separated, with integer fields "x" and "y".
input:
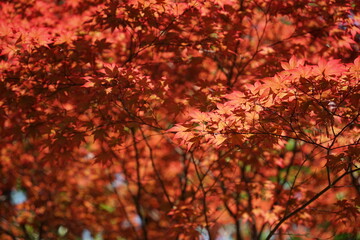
{"x": 250, "y": 205}
{"x": 138, "y": 196}
{"x": 122, "y": 207}
{"x": 319, "y": 194}
{"x": 157, "y": 173}
{"x": 205, "y": 207}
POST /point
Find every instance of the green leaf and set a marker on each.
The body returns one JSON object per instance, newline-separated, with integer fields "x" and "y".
{"x": 62, "y": 231}
{"x": 98, "y": 237}
{"x": 344, "y": 236}
{"x": 108, "y": 208}
{"x": 213, "y": 35}
{"x": 291, "y": 144}
{"x": 285, "y": 21}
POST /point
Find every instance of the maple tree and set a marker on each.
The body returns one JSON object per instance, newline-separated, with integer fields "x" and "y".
{"x": 166, "y": 119}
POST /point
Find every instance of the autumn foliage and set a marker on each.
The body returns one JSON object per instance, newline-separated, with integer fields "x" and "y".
{"x": 167, "y": 119}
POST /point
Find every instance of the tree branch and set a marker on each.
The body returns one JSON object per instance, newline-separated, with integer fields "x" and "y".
{"x": 319, "y": 194}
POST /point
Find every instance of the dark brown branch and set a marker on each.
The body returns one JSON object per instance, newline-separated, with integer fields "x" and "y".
{"x": 203, "y": 199}
{"x": 138, "y": 195}
{"x": 157, "y": 173}
{"x": 319, "y": 194}
{"x": 122, "y": 207}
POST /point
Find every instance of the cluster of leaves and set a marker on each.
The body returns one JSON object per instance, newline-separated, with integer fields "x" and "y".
{"x": 165, "y": 119}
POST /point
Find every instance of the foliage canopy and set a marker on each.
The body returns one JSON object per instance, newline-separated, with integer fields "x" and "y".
{"x": 166, "y": 119}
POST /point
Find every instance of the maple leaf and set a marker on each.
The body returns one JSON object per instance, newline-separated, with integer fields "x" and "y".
{"x": 293, "y": 63}
{"x": 88, "y": 88}
{"x": 355, "y": 68}
{"x": 235, "y": 98}
{"x": 329, "y": 68}
{"x": 178, "y": 128}
{"x": 218, "y": 139}
{"x": 198, "y": 116}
